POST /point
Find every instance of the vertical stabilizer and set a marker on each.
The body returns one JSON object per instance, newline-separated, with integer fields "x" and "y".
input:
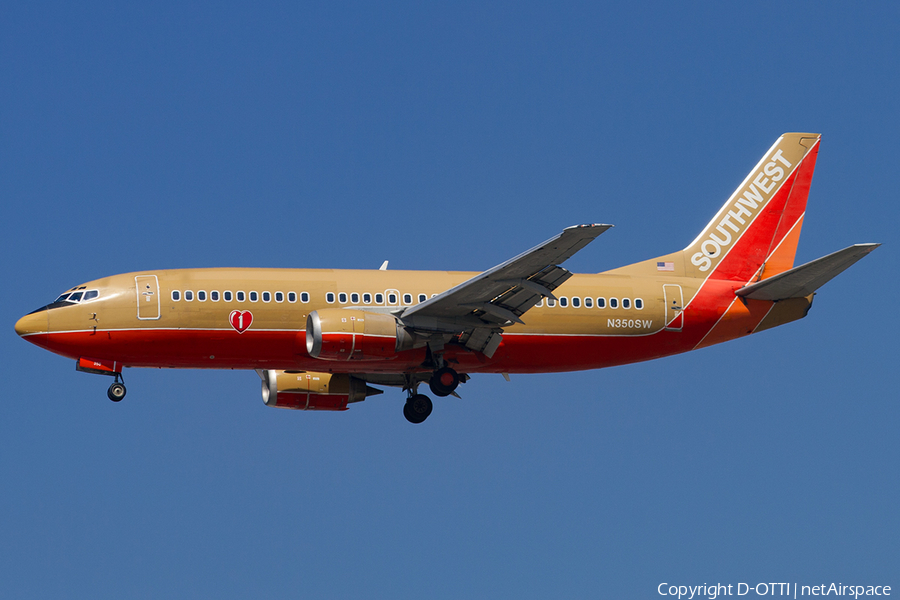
{"x": 755, "y": 234}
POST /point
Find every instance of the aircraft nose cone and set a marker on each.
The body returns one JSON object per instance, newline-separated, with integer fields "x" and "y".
{"x": 33, "y": 323}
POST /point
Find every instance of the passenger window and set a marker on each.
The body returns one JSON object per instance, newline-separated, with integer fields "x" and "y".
{"x": 626, "y": 303}
{"x": 329, "y": 297}
{"x": 638, "y": 303}
{"x": 188, "y": 295}
{"x": 214, "y": 296}
{"x": 540, "y": 303}
{"x": 407, "y": 298}
{"x": 576, "y": 302}
{"x": 563, "y": 301}
{"x": 201, "y": 296}
{"x": 292, "y": 297}
{"x": 254, "y": 296}
{"x": 423, "y": 297}
{"x": 392, "y": 299}
{"x": 601, "y": 302}
{"x": 176, "y": 295}
{"x": 367, "y": 298}
{"x": 304, "y": 297}
{"x": 342, "y": 298}
{"x": 279, "y": 296}
{"x": 267, "y": 297}
{"x": 379, "y": 298}
{"x": 241, "y": 296}
{"x": 588, "y": 302}
{"x": 354, "y": 298}
{"x": 551, "y": 302}
{"x": 613, "y": 303}
{"x": 227, "y": 296}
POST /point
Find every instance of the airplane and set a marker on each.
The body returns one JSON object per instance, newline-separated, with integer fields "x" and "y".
{"x": 319, "y": 339}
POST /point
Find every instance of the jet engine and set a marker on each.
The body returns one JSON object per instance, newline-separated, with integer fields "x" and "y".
{"x": 346, "y": 334}
{"x": 304, "y": 390}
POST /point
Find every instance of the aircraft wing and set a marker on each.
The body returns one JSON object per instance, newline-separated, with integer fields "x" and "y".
{"x": 804, "y": 280}
{"x": 499, "y": 296}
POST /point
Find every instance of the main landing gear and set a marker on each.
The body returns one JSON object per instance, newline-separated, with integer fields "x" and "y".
{"x": 443, "y": 382}
{"x": 417, "y": 408}
{"x": 117, "y": 390}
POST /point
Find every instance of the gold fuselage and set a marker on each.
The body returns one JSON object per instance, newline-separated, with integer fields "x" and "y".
{"x": 127, "y": 324}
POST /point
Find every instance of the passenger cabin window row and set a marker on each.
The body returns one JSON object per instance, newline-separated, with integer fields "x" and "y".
{"x": 393, "y": 298}
{"x": 240, "y": 296}
{"x": 354, "y": 298}
{"x": 600, "y": 302}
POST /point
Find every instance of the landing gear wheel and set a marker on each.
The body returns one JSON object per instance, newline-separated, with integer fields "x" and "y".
{"x": 444, "y": 381}
{"x": 417, "y": 408}
{"x": 116, "y": 392}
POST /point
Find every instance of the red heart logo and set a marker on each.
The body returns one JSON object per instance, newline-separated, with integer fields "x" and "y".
{"x": 240, "y": 320}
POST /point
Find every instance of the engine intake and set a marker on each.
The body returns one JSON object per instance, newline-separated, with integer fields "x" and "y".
{"x": 299, "y": 390}
{"x": 343, "y": 334}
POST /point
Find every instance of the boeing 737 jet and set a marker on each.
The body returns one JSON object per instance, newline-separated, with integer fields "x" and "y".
{"x": 321, "y": 338}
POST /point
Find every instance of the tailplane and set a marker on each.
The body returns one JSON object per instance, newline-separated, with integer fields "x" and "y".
{"x": 804, "y": 280}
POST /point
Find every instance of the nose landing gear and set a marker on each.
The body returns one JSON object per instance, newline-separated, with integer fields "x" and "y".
{"x": 112, "y": 368}
{"x": 117, "y": 390}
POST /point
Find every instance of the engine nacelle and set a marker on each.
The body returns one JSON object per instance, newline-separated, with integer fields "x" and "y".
{"x": 342, "y": 334}
{"x": 300, "y": 390}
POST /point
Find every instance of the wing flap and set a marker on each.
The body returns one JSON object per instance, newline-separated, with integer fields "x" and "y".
{"x": 807, "y": 278}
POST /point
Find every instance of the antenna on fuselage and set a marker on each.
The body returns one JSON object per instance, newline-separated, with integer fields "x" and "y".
{"x": 383, "y": 266}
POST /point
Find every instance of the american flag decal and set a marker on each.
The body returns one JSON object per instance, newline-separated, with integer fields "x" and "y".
{"x": 665, "y": 266}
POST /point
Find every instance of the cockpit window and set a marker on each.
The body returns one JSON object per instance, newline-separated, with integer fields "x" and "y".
{"x": 70, "y": 298}
{"x": 75, "y": 297}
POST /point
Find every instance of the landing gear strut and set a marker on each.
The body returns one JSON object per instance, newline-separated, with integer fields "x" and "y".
{"x": 444, "y": 381}
{"x": 117, "y": 390}
{"x": 417, "y": 408}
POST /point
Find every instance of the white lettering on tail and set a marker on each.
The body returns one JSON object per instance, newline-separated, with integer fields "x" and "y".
{"x": 764, "y": 182}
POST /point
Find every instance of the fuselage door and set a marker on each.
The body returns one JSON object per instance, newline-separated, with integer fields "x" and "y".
{"x": 674, "y": 306}
{"x": 147, "y": 287}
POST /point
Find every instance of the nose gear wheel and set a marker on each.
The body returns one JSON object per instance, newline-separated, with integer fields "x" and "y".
{"x": 116, "y": 392}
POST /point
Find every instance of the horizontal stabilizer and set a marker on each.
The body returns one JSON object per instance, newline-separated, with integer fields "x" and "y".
{"x": 804, "y": 280}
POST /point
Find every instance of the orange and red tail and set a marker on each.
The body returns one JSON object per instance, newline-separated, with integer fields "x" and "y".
{"x": 754, "y": 235}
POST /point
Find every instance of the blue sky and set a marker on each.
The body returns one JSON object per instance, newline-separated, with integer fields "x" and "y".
{"x": 444, "y": 137}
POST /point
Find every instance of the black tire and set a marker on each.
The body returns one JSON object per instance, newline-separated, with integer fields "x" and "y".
{"x": 417, "y": 408}
{"x": 116, "y": 392}
{"x": 444, "y": 382}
